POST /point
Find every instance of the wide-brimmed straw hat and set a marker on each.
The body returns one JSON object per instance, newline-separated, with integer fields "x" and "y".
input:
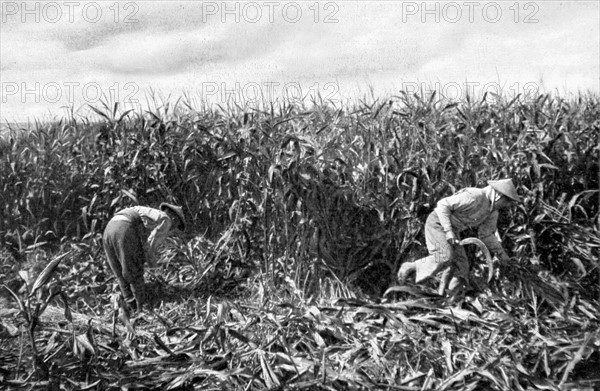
{"x": 178, "y": 211}
{"x": 506, "y": 188}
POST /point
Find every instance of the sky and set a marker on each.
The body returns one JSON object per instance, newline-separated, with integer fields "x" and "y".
{"x": 57, "y": 57}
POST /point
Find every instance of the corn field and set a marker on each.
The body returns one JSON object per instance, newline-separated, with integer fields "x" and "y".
{"x": 299, "y": 217}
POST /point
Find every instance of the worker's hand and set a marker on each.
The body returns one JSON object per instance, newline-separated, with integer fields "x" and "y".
{"x": 451, "y": 238}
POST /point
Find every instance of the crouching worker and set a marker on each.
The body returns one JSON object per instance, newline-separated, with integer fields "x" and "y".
{"x": 468, "y": 208}
{"x": 131, "y": 239}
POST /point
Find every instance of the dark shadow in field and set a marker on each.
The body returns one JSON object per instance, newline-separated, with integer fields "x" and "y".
{"x": 161, "y": 292}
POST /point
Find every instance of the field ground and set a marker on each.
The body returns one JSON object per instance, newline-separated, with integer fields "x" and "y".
{"x": 244, "y": 334}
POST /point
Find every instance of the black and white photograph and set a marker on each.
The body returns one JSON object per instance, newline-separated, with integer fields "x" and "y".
{"x": 300, "y": 195}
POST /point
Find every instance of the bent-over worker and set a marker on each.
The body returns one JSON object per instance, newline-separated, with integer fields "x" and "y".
{"x": 131, "y": 239}
{"x": 468, "y": 208}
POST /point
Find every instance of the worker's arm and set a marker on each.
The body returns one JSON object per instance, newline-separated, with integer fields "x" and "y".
{"x": 157, "y": 237}
{"x": 449, "y": 205}
{"x": 488, "y": 233}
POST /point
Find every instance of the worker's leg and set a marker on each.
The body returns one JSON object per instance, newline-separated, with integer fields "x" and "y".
{"x": 460, "y": 269}
{"x": 132, "y": 257}
{"x": 439, "y": 249}
{"x": 110, "y": 242}
{"x": 125, "y": 255}
{"x": 457, "y": 273}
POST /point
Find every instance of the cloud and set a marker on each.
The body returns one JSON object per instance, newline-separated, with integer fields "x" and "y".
{"x": 177, "y": 45}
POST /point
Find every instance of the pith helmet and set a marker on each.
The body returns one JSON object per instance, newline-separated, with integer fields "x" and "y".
{"x": 178, "y": 211}
{"x": 506, "y": 188}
